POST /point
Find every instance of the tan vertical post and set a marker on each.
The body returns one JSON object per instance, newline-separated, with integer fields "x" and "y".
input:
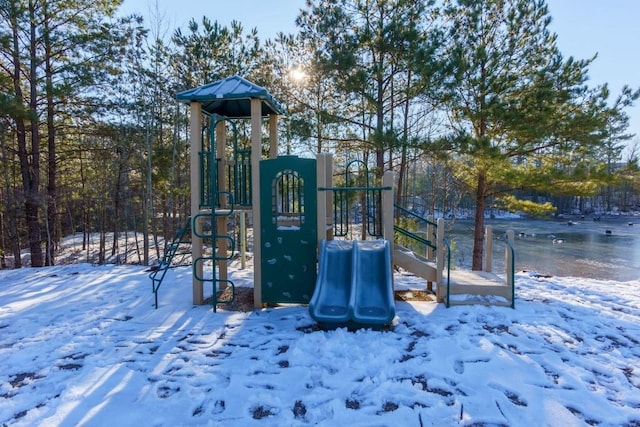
{"x": 387, "y": 216}
{"x": 329, "y": 200}
{"x": 195, "y": 121}
{"x": 273, "y": 136}
{"x": 221, "y": 228}
{"x": 321, "y": 179}
{"x": 508, "y": 259}
{"x": 429, "y": 236}
{"x": 429, "y": 252}
{"x": 256, "y": 151}
{"x": 441, "y": 253}
{"x": 387, "y": 208}
{"x": 488, "y": 248}
{"x": 221, "y": 145}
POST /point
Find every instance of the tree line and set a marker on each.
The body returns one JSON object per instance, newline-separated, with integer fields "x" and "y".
{"x": 463, "y": 99}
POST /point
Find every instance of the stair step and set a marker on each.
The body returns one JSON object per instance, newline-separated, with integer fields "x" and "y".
{"x": 416, "y": 264}
{"x": 477, "y": 282}
{"x": 478, "y": 300}
{"x": 478, "y": 288}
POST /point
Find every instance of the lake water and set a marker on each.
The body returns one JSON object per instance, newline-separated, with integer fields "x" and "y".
{"x": 583, "y": 249}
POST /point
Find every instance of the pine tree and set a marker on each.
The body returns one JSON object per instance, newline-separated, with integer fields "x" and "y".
{"x": 368, "y": 47}
{"x": 210, "y": 51}
{"x": 60, "y": 52}
{"x": 523, "y": 115}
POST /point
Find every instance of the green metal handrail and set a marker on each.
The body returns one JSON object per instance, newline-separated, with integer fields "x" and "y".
{"x": 170, "y": 251}
{"x": 512, "y": 271}
{"x": 216, "y": 301}
{"x": 448, "y": 245}
{"x": 213, "y": 214}
{"x": 414, "y": 236}
{"x": 427, "y": 242}
{"x": 413, "y": 214}
{"x": 411, "y": 234}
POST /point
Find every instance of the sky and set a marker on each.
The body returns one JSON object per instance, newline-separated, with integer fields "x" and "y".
{"x": 83, "y": 345}
{"x": 584, "y": 28}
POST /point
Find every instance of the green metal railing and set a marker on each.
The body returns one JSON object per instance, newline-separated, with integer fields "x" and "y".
{"x": 171, "y": 250}
{"x": 354, "y": 198}
{"x": 341, "y": 208}
{"x": 448, "y": 245}
{"x": 237, "y": 171}
{"x": 429, "y": 243}
{"x": 512, "y": 270}
{"x": 208, "y": 180}
{"x": 239, "y": 177}
{"x": 410, "y": 234}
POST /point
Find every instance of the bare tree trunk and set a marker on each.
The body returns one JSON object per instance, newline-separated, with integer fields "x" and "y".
{"x": 403, "y": 158}
{"x": 478, "y": 231}
{"x": 135, "y": 228}
{"x": 11, "y": 208}
{"x": 402, "y": 171}
{"x": 3, "y": 261}
{"x": 146, "y": 205}
{"x": 433, "y": 189}
{"x": 117, "y": 200}
{"x": 52, "y": 190}
{"x": 103, "y": 236}
{"x": 85, "y": 209}
{"x": 30, "y": 162}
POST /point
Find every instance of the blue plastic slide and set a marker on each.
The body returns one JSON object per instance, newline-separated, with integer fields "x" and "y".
{"x": 372, "y": 291}
{"x": 330, "y": 300}
{"x": 354, "y": 283}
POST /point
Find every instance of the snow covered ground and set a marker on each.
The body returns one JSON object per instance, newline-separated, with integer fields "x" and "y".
{"x": 83, "y": 345}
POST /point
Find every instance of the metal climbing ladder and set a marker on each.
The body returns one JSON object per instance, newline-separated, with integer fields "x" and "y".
{"x": 171, "y": 251}
{"x": 215, "y": 203}
{"x": 213, "y": 207}
{"x": 213, "y": 215}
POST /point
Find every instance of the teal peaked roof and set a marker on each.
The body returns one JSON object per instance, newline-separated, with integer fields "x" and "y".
{"x": 231, "y": 97}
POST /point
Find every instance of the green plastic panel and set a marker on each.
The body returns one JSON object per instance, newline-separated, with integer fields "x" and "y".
{"x": 288, "y": 220}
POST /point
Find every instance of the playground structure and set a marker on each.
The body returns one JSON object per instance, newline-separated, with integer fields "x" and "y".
{"x": 297, "y": 213}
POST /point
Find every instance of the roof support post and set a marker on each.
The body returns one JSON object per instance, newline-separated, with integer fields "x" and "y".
{"x": 221, "y": 226}
{"x": 329, "y": 197}
{"x": 387, "y": 215}
{"x": 256, "y": 152}
{"x": 321, "y": 180}
{"x": 195, "y": 122}
{"x": 273, "y": 136}
{"x": 387, "y": 207}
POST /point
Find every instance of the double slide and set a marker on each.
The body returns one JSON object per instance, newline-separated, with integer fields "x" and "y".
{"x": 354, "y": 283}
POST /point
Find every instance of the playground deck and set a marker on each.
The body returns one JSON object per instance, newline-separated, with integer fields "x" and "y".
{"x": 478, "y": 287}
{"x": 465, "y": 286}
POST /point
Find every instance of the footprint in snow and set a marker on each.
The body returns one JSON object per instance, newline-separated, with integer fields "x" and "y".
{"x": 166, "y": 390}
